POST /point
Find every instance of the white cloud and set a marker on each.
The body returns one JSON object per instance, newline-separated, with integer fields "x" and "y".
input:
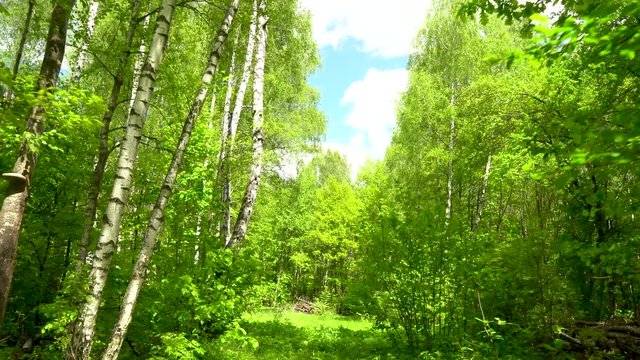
{"x": 372, "y": 115}
{"x": 385, "y": 28}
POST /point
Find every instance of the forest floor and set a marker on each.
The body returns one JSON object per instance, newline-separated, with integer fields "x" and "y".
{"x": 293, "y": 335}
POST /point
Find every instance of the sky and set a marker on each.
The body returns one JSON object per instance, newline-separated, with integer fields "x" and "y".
{"x": 364, "y": 45}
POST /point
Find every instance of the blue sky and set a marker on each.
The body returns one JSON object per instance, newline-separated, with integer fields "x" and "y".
{"x": 364, "y": 46}
{"x": 341, "y": 67}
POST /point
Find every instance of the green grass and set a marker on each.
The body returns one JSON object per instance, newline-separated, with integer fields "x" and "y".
{"x": 290, "y": 335}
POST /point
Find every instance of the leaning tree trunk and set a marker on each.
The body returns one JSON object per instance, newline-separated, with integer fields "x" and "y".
{"x": 157, "y": 215}
{"x": 19, "y": 180}
{"x": 233, "y": 127}
{"x": 103, "y": 151}
{"x": 23, "y": 37}
{"x": 80, "y": 346}
{"x": 244, "y": 215}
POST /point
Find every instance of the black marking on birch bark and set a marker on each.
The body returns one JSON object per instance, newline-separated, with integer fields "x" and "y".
{"x": 107, "y": 220}
{"x": 117, "y": 201}
{"x": 167, "y": 187}
{"x": 162, "y": 18}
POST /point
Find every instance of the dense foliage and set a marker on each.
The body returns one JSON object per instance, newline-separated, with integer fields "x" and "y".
{"x": 501, "y": 222}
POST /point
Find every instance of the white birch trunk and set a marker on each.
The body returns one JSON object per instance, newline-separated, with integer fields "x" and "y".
{"x": 481, "y": 196}
{"x": 157, "y": 215}
{"x": 251, "y": 193}
{"x": 222, "y": 170}
{"x": 103, "y": 152}
{"x": 452, "y": 140}
{"x": 82, "y": 54}
{"x": 137, "y": 67}
{"x": 226, "y": 113}
{"x": 80, "y": 346}
{"x": 233, "y": 127}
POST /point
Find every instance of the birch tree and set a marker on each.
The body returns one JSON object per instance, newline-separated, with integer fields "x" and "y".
{"x": 82, "y": 52}
{"x": 157, "y": 216}
{"x": 232, "y": 128}
{"x": 481, "y": 196}
{"x": 84, "y": 327}
{"x": 19, "y": 179}
{"x": 244, "y": 215}
{"x": 103, "y": 150}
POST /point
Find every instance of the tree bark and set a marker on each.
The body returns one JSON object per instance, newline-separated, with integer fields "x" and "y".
{"x": 19, "y": 180}
{"x": 481, "y": 196}
{"x": 222, "y": 159}
{"x": 80, "y": 346}
{"x": 233, "y": 127}
{"x": 23, "y": 38}
{"x": 157, "y": 216}
{"x": 103, "y": 151}
{"x": 82, "y": 53}
{"x": 251, "y": 193}
{"x": 137, "y": 67}
{"x": 452, "y": 142}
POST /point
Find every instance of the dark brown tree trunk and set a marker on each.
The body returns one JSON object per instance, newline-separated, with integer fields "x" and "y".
{"x": 14, "y": 203}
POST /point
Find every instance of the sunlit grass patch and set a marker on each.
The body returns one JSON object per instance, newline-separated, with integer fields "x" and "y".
{"x": 284, "y": 334}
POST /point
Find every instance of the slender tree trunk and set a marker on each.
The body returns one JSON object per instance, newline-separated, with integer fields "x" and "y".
{"x": 82, "y": 53}
{"x": 233, "y": 127}
{"x": 481, "y": 197}
{"x": 19, "y": 180}
{"x": 452, "y": 142}
{"x": 246, "y": 210}
{"x": 157, "y": 216}
{"x": 80, "y": 346}
{"x": 137, "y": 67}
{"x": 23, "y": 37}
{"x": 103, "y": 152}
{"x": 226, "y": 114}
{"x": 222, "y": 159}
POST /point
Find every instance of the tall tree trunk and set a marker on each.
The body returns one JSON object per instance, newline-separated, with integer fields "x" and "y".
{"x": 226, "y": 113}
{"x": 23, "y": 37}
{"x": 80, "y": 346}
{"x": 137, "y": 67}
{"x": 82, "y": 52}
{"x": 452, "y": 142}
{"x": 233, "y": 127}
{"x": 481, "y": 196}
{"x": 246, "y": 210}
{"x": 19, "y": 180}
{"x": 222, "y": 158}
{"x": 103, "y": 152}
{"x": 157, "y": 216}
